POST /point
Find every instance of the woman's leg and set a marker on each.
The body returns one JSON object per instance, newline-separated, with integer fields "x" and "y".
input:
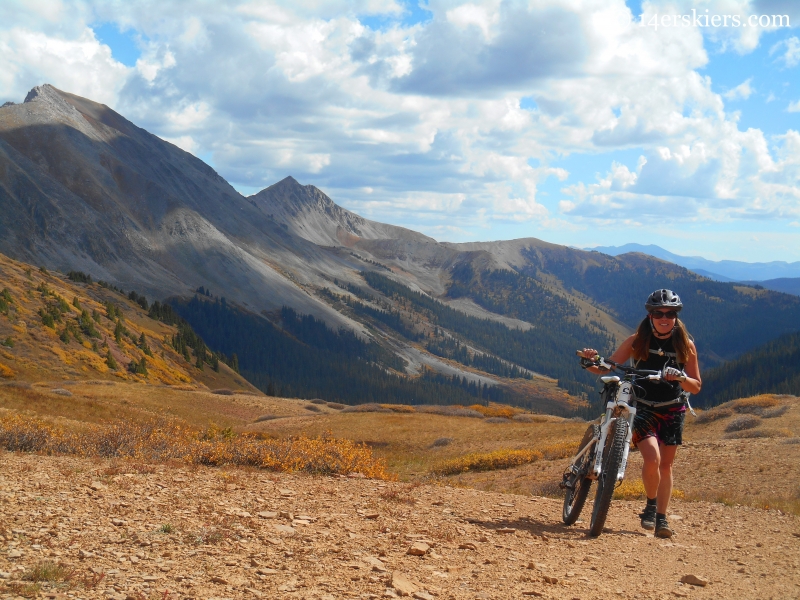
{"x": 665, "y": 476}
{"x": 651, "y": 456}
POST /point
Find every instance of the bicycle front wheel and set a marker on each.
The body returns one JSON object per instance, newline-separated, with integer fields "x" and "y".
{"x": 578, "y": 484}
{"x": 612, "y": 459}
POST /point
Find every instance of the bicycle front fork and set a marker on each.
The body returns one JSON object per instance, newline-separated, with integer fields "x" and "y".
{"x": 624, "y": 411}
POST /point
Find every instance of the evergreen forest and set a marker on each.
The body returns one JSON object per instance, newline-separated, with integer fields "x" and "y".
{"x": 547, "y": 348}
{"x": 725, "y": 319}
{"x": 771, "y": 368}
{"x": 306, "y": 359}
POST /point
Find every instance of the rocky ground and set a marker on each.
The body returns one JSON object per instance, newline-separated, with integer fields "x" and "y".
{"x": 124, "y": 530}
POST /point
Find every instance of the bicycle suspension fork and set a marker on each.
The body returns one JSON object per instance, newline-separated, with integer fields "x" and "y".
{"x": 621, "y": 406}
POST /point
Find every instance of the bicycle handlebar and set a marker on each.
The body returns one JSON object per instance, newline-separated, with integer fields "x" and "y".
{"x": 607, "y": 363}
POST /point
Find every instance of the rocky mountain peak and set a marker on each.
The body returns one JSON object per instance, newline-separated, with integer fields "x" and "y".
{"x": 292, "y": 194}
{"x": 42, "y": 93}
{"x": 52, "y": 103}
{"x": 308, "y": 212}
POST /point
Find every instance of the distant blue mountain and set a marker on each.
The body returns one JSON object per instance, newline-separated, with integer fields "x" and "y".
{"x": 714, "y": 276}
{"x": 787, "y": 285}
{"x": 722, "y": 270}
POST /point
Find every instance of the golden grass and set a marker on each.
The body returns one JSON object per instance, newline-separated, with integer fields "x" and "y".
{"x": 633, "y": 489}
{"x": 168, "y": 439}
{"x": 489, "y": 461}
{"x": 6, "y": 372}
{"x": 788, "y": 504}
{"x": 504, "y": 459}
{"x": 399, "y": 408}
{"x": 496, "y": 410}
{"x": 760, "y": 401}
{"x": 39, "y": 351}
{"x": 560, "y": 450}
{"x": 407, "y": 440}
{"x": 48, "y": 570}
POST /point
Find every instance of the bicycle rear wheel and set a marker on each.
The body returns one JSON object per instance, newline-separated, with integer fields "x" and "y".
{"x": 612, "y": 459}
{"x": 577, "y": 484}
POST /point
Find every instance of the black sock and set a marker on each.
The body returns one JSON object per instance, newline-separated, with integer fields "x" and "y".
{"x": 661, "y": 516}
{"x": 651, "y": 501}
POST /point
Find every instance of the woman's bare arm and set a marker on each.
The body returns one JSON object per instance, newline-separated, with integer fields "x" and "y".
{"x": 692, "y": 383}
{"x": 622, "y": 354}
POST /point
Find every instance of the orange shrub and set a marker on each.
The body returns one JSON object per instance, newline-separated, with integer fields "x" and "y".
{"x": 559, "y": 450}
{"x": 170, "y": 439}
{"x": 754, "y": 404}
{"x": 6, "y": 372}
{"x": 488, "y": 461}
{"x": 633, "y": 489}
{"x": 495, "y": 410}
{"x": 399, "y": 408}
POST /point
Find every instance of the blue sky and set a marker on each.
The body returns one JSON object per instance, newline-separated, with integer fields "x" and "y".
{"x": 124, "y": 45}
{"x": 575, "y": 122}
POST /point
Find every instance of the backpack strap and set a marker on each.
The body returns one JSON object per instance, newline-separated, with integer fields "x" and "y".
{"x": 662, "y": 353}
{"x": 679, "y": 400}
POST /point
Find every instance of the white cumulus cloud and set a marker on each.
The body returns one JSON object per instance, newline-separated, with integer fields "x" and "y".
{"x": 789, "y": 51}
{"x": 421, "y": 123}
{"x": 743, "y": 91}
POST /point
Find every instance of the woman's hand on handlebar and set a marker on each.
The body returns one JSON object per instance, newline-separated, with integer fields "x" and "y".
{"x": 673, "y": 374}
{"x": 591, "y": 361}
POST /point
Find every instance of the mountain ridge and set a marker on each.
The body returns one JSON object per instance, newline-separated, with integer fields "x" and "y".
{"x": 725, "y": 270}
{"x": 83, "y": 188}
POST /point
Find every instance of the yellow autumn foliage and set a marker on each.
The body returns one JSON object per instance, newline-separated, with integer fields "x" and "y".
{"x": 488, "y": 461}
{"x": 495, "y": 410}
{"x": 504, "y": 459}
{"x": 559, "y": 450}
{"x": 633, "y": 489}
{"x": 170, "y": 439}
{"x": 399, "y": 408}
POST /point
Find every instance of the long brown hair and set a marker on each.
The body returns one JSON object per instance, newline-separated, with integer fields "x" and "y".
{"x": 680, "y": 341}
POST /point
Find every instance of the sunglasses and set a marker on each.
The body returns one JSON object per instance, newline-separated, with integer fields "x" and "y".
{"x": 658, "y": 314}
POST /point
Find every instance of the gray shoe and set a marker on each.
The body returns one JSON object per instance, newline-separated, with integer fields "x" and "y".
{"x": 663, "y": 530}
{"x": 648, "y": 517}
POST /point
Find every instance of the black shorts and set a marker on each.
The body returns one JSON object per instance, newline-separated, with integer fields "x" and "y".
{"x": 664, "y": 424}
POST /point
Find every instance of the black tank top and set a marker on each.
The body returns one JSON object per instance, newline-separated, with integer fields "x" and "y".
{"x": 662, "y": 352}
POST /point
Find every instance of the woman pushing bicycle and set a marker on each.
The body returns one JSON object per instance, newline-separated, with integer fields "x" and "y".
{"x": 661, "y": 343}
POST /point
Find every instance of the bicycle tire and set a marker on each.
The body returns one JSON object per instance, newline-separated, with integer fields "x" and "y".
{"x": 612, "y": 459}
{"x": 578, "y": 490}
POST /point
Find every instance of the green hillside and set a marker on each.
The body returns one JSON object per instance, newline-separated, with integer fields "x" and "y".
{"x": 726, "y": 319}
{"x": 548, "y": 348}
{"x": 306, "y": 359}
{"x": 771, "y": 368}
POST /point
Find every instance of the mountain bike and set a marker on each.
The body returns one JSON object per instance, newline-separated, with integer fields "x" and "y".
{"x": 603, "y": 452}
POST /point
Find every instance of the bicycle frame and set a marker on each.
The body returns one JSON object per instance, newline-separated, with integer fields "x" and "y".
{"x": 605, "y": 447}
{"x": 619, "y": 407}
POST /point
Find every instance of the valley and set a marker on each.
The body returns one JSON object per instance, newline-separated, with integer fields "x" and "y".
{"x": 81, "y": 191}
{"x": 293, "y": 294}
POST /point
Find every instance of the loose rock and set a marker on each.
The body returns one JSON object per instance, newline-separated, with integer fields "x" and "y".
{"x": 506, "y": 530}
{"x": 402, "y": 584}
{"x": 694, "y": 580}
{"x": 467, "y": 546}
{"x": 418, "y": 549}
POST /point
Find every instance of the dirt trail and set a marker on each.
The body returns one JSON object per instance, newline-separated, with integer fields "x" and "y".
{"x": 210, "y": 533}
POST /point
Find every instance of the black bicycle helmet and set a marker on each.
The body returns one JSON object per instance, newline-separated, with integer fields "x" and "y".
{"x": 663, "y": 299}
